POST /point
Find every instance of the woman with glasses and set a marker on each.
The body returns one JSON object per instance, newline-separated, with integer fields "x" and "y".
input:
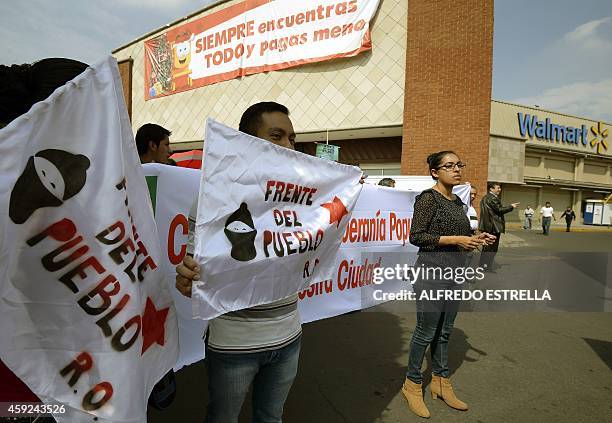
{"x": 441, "y": 230}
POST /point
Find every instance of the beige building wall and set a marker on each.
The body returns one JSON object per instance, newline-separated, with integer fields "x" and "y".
{"x": 362, "y": 91}
{"x": 596, "y": 172}
{"x": 559, "y": 168}
{"x": 506, "y": 160}
{"x": 526, "y": 195}
{"x": 534, "y": 166}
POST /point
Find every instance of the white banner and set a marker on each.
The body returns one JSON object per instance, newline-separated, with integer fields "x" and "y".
{"x": 87, "y": 320}
{"x": 376, "y": 236}
{"x": 270, "y": 221}
{"x": 171, "y": 207}
{"x": 341, "y": 293}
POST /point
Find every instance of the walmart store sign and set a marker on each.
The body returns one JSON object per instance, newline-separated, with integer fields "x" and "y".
{"x": 595, "y": 136}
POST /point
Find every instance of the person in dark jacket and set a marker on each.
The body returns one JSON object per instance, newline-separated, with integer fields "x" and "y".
{"x": 492, "y": 221}
{"x": 569, "y": 217}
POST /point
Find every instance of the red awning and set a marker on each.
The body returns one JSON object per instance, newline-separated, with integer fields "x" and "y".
{"x": 192, "y": 159}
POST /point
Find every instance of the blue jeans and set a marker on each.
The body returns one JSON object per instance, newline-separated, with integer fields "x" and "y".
{"x": 546, "y": 225}
{"x": 230, "y": 375}
{"x": 527, "y": 224}
{"x": 435, "y": 320}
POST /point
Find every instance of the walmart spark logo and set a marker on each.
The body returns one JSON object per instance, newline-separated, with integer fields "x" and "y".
{"x": 599, "y": 139}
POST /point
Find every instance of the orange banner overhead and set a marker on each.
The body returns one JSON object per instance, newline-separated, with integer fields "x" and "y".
{"x": 252, "y": 37}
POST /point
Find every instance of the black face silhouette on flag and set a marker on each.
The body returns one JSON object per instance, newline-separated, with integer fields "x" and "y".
{"x": 240, "y": 230}
{"x": 50, "y": 177}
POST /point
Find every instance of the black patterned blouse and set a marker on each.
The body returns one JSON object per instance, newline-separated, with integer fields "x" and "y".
{"x": 435, "y": 216}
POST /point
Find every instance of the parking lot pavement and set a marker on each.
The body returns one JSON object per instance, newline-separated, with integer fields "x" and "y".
{"x": 508, "y": 366}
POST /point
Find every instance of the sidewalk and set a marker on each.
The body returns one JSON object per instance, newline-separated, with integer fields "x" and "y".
{"x": 509, "y": 240}
{"x": 560, "y": 226}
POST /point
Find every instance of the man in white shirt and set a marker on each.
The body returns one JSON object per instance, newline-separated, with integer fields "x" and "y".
{"x": 471, "y": 213}
{"x": 529, "y": 212}
{"x": 547, "y": 213}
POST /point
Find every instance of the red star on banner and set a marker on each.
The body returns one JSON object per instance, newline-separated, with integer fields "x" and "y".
{"x": 153, "y": 323}
{"x": 336, "y": 210}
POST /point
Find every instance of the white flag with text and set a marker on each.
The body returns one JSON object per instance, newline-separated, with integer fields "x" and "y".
{"x": 87, "y": 318}
{"x": 270, "y": 220}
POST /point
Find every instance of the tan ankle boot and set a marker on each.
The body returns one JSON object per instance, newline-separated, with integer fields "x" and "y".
{"x": 441, "y": 387}
{"x": 414, "y": 395}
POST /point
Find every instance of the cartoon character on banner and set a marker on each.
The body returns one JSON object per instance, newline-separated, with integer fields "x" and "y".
{"x": 181, "y": 59}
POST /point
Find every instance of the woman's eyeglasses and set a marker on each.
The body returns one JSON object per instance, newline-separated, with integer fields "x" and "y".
{"x": 450, "y": 166}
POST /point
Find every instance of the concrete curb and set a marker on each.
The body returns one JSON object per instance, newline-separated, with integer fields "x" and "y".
{"x": 581, "y": 228}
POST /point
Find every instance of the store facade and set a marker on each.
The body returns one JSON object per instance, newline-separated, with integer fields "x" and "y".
{"x": 541, "y": 156}
{"x": 361, "y": 102}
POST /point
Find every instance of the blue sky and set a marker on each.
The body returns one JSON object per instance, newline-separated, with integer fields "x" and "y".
{"x": 553, "y": 53}
{"x": 556, "y": 54}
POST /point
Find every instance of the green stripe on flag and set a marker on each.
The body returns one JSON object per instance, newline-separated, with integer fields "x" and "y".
{"x": 152, "y": 184}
